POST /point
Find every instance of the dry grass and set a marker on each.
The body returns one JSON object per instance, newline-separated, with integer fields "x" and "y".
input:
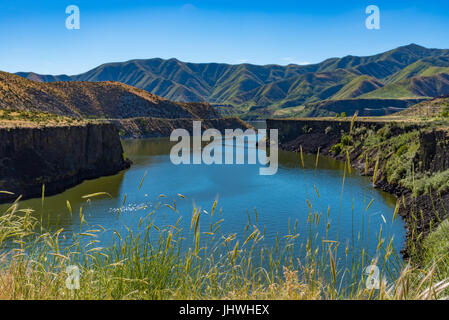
{"x": 30, "y": 119}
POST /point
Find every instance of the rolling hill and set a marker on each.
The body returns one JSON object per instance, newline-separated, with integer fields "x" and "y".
{"x": 406, "y": 72}
{"x": 357, "y": 87}
{"x": 422, "y": 68}
{"x": 93, "y": 100}
{"x": 415, "y": 87}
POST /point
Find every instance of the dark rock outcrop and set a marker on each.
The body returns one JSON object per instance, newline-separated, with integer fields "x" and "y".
{"x": 313, "y": 134}
{"x": 59, "y": 157}
{"x": 157, "y": 127}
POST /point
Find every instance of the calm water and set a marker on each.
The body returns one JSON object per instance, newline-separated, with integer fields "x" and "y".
{"x": 280, "y": 200}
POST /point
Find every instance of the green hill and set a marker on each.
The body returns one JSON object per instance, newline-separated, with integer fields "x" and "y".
{"x": 431, "y": 86}
{"x": 422, "y": 68}
{"x": 357, "y": 87}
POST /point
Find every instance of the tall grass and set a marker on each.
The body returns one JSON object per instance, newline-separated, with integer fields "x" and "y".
{"x": 200, "y": 261}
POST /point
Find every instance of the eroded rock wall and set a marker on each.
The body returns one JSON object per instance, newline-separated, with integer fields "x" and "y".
{"x": 59, "y": 157}
{"x": 156, "y": 127}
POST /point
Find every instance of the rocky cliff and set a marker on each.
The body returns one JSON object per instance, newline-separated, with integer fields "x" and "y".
{"x": 314, "y": 134}
{"x": 58, "y": 156}
{"x": 156, "y": 127}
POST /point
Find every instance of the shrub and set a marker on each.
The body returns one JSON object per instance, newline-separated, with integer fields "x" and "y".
{"x": 445, "y": 113}
{"x": 384, "y": 133}
{"x": 337, "y": 148}
{"x": 347, "y": 140}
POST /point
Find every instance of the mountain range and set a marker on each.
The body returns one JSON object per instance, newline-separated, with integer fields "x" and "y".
{"x": 410, "y": 74}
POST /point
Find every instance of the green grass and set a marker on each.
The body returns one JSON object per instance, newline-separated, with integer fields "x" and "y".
{"x": 435, "y": 252}
{"x": 424, "y": 183}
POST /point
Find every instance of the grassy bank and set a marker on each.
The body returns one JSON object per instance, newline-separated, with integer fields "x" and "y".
{"x": 435, "y": 252}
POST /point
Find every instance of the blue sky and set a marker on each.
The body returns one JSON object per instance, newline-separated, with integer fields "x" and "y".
{"x": 33, "y": 36}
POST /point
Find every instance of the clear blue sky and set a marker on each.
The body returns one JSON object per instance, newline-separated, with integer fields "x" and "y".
{"x": 33, "y": 36}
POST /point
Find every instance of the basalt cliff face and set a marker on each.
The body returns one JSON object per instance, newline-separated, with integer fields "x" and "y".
{"x": 314, "y": 134}
{"x": 58, "y": 157}
{"x": 155, "y": 127}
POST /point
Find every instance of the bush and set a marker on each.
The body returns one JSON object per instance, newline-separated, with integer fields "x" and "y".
{"x": 337, "y": 148}
{"x": 347, "y": 140}
{"x": 384, "y": 133}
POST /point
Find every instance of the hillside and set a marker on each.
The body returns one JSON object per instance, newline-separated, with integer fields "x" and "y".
{"x": 432, "y": 108}
{"x": 364, "y": 108}
{"x": 406, "y": 72}
{"x": 92, "y": 100}
{"x": 429, "y": 86}
{"x": 422, "y": 68}
{"x": 357, "y": 87}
